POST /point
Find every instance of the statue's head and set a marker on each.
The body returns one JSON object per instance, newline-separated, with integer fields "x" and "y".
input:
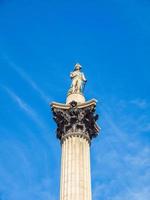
{"x": 77, "y": 67}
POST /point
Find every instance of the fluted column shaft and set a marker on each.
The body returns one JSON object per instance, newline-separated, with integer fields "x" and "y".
{"x": 75, "y": 169}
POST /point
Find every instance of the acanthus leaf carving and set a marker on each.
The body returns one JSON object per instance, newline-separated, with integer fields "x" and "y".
{"x": 74, "y": 119}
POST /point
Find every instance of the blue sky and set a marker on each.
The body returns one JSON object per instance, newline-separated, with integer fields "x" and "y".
{"x": 40, "y": 41}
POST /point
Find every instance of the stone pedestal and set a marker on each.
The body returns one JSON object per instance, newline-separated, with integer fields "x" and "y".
{"x": 76, "y": 126}
{"x": 78, "y": 97}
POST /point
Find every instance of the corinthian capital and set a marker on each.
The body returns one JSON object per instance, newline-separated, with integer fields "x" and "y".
{"x": 74, "y": 119}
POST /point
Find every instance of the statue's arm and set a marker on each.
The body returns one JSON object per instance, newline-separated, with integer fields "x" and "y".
{"x": 83, "y": 77}
{"x": 72, "y": 75}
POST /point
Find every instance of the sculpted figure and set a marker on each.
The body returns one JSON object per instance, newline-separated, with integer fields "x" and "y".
{"x": 78, "y": 80}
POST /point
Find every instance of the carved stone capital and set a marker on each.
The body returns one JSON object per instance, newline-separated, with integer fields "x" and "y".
{"x": 74, "y": 119}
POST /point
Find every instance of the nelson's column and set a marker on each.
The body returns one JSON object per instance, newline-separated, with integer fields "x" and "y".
{"x": 76, "y": 126}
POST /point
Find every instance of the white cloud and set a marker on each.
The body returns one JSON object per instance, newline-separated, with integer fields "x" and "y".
{"x": 26, "y": 108}
{"x": 28, "y": 79}
{"x": 135, "y": 194}
{"x": 141, "y": 103}
{"x": 121, "y": 168}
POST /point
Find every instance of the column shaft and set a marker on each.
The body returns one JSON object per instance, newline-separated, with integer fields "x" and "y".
{"x": 75, "y": 169}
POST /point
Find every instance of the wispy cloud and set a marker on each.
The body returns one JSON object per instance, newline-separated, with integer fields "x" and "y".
{"x": 27, "y": 78}
{"x": 140, "y": 103}
{"x": 134, "y": 194}
{"x": 25, "y": 107}
{"x": 121, "y": 169}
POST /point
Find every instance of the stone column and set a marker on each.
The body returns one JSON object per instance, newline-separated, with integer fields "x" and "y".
{"x": 76, "y": 126}
{"x": 75, "y": 169}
